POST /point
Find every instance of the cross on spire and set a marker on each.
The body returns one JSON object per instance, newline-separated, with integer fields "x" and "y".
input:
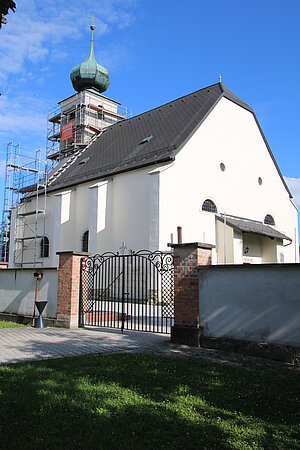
{"x": 123, "y": 248}
{"x": 93, "y": 18}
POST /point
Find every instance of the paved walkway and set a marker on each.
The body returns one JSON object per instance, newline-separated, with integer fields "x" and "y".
{"x": 19, "y": 345}
{"x": 29, "y": 344}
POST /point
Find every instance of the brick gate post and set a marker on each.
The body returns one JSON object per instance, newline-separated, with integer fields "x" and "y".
{"x": 68, "y": 288}
{"x": 187, "y": 257}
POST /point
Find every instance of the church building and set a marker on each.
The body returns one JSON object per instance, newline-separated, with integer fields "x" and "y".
{"x": 200, "y": 162}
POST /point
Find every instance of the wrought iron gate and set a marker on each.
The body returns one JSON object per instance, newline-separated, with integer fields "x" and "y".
{"x": 134, "y": 291}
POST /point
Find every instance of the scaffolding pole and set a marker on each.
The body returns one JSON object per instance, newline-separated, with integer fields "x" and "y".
{"x": 25, "y": 180}
{"x": 89, "y": 114}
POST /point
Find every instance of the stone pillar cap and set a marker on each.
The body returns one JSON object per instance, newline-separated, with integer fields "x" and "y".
{"x": 193, "y": 244}
{"x": 74, "y": 253}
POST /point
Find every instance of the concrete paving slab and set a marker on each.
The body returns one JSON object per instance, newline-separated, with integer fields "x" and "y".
{"x": 31, "y": 344}
{"x": 20, "y": 345}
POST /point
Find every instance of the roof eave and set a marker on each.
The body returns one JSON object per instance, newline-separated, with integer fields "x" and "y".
{"x": 129, "y": 169}
{"x": 272, "y": 156}
{"x": 257, "y": 233}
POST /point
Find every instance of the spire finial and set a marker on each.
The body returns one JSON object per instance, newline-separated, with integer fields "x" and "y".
{"x": 89, "y": 74}
{"x": 220, "y": 78}
{"x": 92, "y": 27}
{"x": 93, "y": 18}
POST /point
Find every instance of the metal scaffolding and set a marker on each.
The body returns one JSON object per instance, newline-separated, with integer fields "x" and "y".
{"x": 25, "y": 184}
{"x": 78, "y": 119}
{"x": 75, "y": 124}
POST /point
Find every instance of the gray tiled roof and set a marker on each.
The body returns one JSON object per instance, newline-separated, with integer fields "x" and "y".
{"x": 119, "y": 149}
{"x": 254, "y": 227}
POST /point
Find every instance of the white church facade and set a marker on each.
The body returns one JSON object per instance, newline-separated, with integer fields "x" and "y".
{"x": 200, "y": 162}
{"x": 212, "y": 173}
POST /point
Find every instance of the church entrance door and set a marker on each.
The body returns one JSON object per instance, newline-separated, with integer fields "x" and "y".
{"x": 134, "y": 292}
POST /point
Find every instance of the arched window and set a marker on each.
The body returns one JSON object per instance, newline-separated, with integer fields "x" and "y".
{"x": 208, "y": 205}
{"x": 44, "y": 247}
{"x": 85, "y": 241}
{"x": 269, "y": 220}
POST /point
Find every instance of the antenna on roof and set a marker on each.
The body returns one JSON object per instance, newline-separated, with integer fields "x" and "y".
{"x": 220, "y": 78}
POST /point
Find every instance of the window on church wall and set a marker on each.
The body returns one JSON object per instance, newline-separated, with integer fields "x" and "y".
{"x": 269, "y": 220}
{"x": 44, "y": 247}
{"x": 85, "y": 241}
{"x": 209, "y": 206}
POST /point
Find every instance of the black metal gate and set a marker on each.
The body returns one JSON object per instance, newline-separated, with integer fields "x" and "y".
{"x": 134, "y": 291}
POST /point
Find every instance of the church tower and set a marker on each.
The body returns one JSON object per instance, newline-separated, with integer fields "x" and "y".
{"x": 84, "y": 115}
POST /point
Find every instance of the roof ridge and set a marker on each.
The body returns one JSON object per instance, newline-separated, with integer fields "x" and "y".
{"x": 227, "y": 93}
{"x": 161, "y": 106}
{"x": 116, "y": 148}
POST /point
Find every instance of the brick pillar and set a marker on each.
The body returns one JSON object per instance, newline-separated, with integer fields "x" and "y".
{"x": 68, "y": 288}
{"x": 187, "y": 259}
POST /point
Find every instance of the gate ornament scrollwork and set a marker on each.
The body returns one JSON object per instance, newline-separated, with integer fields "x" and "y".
{"x": 163, "y": 261}
{"x": 92, "y": 263}
{"x": 133, "y": 291}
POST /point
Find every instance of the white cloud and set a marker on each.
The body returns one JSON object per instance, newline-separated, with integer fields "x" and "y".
{"x": 44, "y": 29}
{"x": 38, "y": 36}
{"x": 12, "y": 122}
{"x": 294, "y": 186}
{"x": 115, "y": 57}
{"x": 22, "y": 118}
{"x": 2, "y": 167}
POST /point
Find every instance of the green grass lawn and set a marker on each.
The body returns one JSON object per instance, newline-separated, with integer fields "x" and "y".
{"x": 5, "y": 324}
{"x": 127, "y": 401}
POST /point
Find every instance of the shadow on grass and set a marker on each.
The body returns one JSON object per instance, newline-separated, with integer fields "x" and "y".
{"x": 133, "y": 401}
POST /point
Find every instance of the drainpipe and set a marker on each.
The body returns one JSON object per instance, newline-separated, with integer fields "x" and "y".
{"x": 225, "y": 256}
{"x": 179, "y": 235}
{"x": 38, "y": 276}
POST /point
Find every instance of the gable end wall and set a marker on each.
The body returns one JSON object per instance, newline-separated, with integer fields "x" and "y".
{"x": 229, "y": 135}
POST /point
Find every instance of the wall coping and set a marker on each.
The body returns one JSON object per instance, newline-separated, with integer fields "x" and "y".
{"x": 73, "y": 253}
{"x": 250, "y": 266}
{"x": 193, "y": 244}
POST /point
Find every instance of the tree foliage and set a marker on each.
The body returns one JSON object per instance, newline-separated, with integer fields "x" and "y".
{"x": 5, "y": 6}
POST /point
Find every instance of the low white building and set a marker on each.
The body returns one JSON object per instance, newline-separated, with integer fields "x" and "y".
{"x": 200, "y": 162}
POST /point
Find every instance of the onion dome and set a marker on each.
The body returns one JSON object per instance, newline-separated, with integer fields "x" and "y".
{"x": 89, "y": 74}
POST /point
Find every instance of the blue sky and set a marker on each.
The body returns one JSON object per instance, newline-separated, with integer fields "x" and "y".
{"x": 155, "y": 51}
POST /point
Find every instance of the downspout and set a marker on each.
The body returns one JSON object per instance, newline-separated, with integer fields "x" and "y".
{"x": 225, "y": 256}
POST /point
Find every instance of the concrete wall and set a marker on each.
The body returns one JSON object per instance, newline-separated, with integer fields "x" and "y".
{"x": 251, "y": 302}
{"x": 17, "y": 291}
